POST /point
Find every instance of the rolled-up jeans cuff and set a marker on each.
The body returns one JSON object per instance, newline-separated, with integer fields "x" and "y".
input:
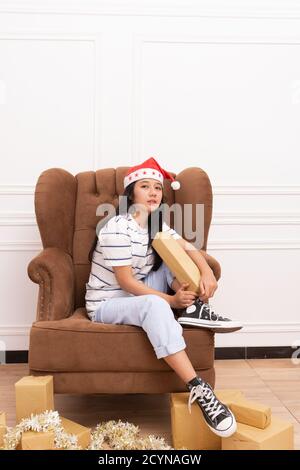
{"x": 172, "y": 348}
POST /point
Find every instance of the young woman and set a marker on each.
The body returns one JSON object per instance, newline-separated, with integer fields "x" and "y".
{"x": 129, "y": 283}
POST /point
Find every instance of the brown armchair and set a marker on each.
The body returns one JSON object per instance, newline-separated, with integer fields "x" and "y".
{"x": 87, "y": 357}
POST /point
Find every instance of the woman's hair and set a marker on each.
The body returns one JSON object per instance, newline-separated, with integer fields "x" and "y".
{"x": 128, "y": 195}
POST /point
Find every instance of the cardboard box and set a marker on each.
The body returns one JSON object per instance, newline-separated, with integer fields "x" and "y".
{"x": 82, "y": 433}
{"x": 2, "y": 433}
{"x": 32, "y": 440}
{"x": 34, "y": 394}
{"x": 2, "y": 418}
{"x": 229, "y": 396}
{"x": 2, "y": 427}
{"x": 251, "y": 413}
{"x": 177, "y": 260}
{"x": 190, "y": 431}
{"x": 279, "y": 435}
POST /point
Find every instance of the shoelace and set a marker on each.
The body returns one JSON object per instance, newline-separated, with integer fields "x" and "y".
{"x": 207, "y": 399}
{"x": 212, "y": 315}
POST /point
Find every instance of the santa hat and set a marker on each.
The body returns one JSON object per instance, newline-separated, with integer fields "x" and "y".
{"x": 149, "y": 169}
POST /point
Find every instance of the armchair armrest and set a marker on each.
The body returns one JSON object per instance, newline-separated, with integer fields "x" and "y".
{"x": 53, "y": 270}
{"x": 213, "y": 264}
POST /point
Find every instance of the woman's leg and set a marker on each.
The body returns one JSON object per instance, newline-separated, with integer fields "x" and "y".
{"x": 155, "y": 316}
{"x": 181, "y": 364}
{"x": 150, "y": 312}
{"x": 161, "y": 279}
{"x": 179, "y": 361}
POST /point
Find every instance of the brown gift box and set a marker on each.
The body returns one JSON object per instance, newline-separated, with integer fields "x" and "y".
{"x": 190, "y": 431}
{"x": 82, "y": 433}
{"x": 2, "y": 433}
{"x": 177, "y": 260}
{"x": 279, "y": 435}
{"x": 2, "y": 427}
{"x": 229, "y": 396}
{"x": 2, "y": 418}
{"x": 251, "y": 413}
{"x": 32, "y": 440}
{"x": 34, "y": 394}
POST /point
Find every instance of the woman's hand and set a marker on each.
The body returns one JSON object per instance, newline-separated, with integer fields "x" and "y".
{"x": 183, "y": 298}
{"x": 208, "y": 285}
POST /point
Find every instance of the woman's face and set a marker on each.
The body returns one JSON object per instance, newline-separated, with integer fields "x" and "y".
{"x": 148, "y": 192}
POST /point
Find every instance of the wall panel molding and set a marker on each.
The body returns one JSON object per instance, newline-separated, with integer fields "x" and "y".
{"x": 95, "y": 40}
{"x": 267, "y": 9}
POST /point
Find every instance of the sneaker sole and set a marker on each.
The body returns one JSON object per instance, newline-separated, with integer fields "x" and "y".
{"x": 217, "y": 327}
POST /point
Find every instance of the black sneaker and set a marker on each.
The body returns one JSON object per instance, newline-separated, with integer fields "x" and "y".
{"x": 201, "y": 314}
{"x": 218, "y": 416}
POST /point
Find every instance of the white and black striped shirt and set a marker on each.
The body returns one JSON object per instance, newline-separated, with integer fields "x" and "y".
{"x": 121, "y": 242}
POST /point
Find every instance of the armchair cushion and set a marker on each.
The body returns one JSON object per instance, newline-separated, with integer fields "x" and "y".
{"x": 76, "y": 344}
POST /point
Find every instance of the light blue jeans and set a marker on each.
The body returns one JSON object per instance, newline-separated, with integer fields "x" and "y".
{"x": 150, "y": 311}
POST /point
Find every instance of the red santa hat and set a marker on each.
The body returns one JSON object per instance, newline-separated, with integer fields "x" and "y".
{"x": 149, "y": 169}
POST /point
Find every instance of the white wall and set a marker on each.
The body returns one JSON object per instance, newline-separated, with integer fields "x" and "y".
{"x": 214, "y": 84}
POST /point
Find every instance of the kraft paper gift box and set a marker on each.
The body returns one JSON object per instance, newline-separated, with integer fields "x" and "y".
{"x": 190, "y": 431}
{"x": 2, "y": 418}
{"x": 251, "y": 413}
{"x": 279, "y": 435}
{"x": 32, "y": 440}
{"x": 2, "y": 427}
{"x": 177, "y": 260}
{"x": 229, "y": 396}
{"x": 34, "y": 394}
{"x": 2, "y": 433}
{"x": 82, "y": 433}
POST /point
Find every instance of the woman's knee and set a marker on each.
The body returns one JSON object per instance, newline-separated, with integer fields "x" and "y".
{"x": 155, "y": 305}
{"x": 158, "y": 309}
{"x": 154, "y": 301}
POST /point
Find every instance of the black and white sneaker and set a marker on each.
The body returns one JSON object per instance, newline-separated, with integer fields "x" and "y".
{"x": 218, "y": 416}
{"x": 201, "y": 314}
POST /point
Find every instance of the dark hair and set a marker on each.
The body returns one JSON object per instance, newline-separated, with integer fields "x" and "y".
{"x": 129, "y": 199}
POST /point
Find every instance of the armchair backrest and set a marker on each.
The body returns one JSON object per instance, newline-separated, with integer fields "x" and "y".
{"x": 66, "y": 205}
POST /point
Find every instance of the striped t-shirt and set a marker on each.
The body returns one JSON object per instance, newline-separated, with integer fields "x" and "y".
{"x": 121, "y": 242}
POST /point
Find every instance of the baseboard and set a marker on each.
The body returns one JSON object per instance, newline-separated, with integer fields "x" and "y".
{"x": 16, "y": 357}
{"x": 253, "y": 352}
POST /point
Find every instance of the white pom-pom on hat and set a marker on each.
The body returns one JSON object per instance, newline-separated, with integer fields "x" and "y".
{"x": 175, "y": 185}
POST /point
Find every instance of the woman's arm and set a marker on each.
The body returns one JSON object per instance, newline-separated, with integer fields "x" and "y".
{"x": 208, "y": 282}
{"x": 127, "y": 282}
{"x": 196, "y": 256}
